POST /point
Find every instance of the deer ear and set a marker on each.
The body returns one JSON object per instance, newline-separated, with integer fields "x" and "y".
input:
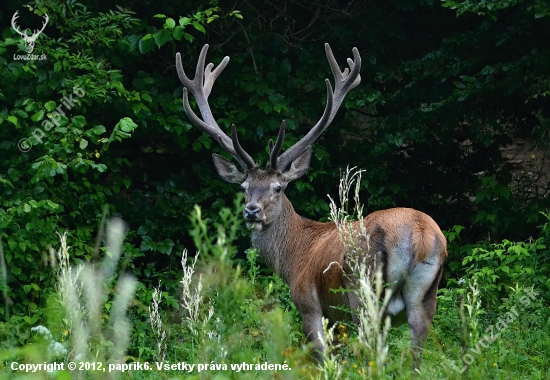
{"x": 299, "y": 166}
{"x": 227, "y": 170}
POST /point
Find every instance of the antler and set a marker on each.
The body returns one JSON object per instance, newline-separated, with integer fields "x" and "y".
{"x": 36, "y": 32}
{"x": 200, "y": 87}
{"x": 14, "y": 25}
{"x": 274, "y": 151}
{"x": 343, "y": 82}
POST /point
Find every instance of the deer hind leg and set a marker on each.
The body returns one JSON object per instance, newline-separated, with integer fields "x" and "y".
{"x": 419, "y": 293}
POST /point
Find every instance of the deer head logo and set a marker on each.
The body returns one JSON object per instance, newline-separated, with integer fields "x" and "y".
{"x": 29, "y": 40}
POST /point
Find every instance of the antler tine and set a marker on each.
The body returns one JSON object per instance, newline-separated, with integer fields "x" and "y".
{"x": 200, "y": 87}
{"x": 295, "y": 150}
{"x": 228, "y": 148}
{"x": 343, "y": 83}
{"x": 274, "y": 150}
{"x": 238, "y": 148}
{"x": 211, "y": 76}
{"x": 14, "y": 25}
{"x": 36, "y": 32}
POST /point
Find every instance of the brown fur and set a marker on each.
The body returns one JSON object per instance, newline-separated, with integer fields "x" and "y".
{"x": 425, "y": 232}
{"x": 309, "y": 256}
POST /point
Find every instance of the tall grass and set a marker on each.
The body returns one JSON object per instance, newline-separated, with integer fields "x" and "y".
{"x": 83, "y": 291}
{"x": 94, "y": 319}
{"x": 367, "y": 278}
{"x": 157, "y": 325}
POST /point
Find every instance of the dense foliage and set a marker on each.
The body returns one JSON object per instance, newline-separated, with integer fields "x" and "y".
{"x": 97, "y": 128}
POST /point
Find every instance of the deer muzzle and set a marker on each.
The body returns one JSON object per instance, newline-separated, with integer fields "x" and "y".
{"x": 253, "y": 216}
{"x": 252, "y": 212}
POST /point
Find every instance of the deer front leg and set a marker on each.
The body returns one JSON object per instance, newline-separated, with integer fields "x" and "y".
{"x": 313, "y": 329}
{"x": 309, "y": 307}
{"x": 350, "y": 284}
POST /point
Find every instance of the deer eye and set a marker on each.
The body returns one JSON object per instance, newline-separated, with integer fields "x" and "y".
{"x": 278, "y": 189}
{"x": 243, "y": 189}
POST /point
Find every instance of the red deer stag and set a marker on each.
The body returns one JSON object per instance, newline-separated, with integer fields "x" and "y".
{"x": 408, "y": 243}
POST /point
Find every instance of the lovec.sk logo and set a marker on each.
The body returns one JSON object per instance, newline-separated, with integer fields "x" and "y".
{"x": 29, "y": 40}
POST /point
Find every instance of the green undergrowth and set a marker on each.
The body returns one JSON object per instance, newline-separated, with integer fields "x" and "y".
{"x": 236, "y": 320}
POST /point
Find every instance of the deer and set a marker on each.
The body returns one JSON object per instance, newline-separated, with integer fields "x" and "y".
{"x": 407, "y": 243}
{"x": 29, "y": 40}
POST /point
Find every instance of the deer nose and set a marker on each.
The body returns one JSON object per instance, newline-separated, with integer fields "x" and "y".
{"x": 252, "y": 211}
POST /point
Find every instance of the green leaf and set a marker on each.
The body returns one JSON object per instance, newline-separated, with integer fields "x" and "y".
{"x": 147, "y": 244}
{"x": 12, "y": 244}
{"x": 162, "y": 37}
{"x": 459, "y": 85}
{"x": 184, "y": 21}
{"x": 188, "y": 37}
{"x": 159, "y": 15}
{"x": 83, "y": 143}
{"x": 78, "y": 121}
{"x": 177, "y": 33}
{"x": 145, "y": 96}
{"x": 127, "y": 125}
{"x": 20, "y": 113}
{"x": 12, "y": 119}
{"x": 140, "y": 106}
{"x": 38, "y": 116}
{"x": 199, "y": 27}
{"x": 49, "y": 106}
{"x": 170, "y": 23}
{"x": 236, "y": 14}
{"x": 146, "y": 44}
{"x": 133, "y": 40}
{"x": 31, "y": 320}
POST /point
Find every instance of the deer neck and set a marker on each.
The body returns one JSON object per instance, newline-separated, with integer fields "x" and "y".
{"x": 279, "y": 242}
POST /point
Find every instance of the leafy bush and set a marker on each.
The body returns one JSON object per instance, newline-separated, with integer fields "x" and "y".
{"x": 503, "y": 265}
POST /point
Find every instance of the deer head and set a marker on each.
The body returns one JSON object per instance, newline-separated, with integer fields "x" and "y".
{"x": 263, "y": 188}
{"x": 29, "y": 40}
